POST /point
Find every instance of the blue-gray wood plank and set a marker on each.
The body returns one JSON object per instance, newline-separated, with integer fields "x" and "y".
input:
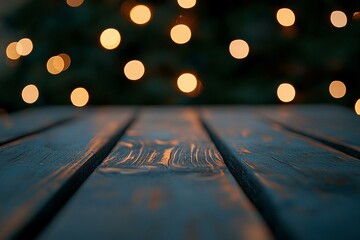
{"x": 304, "y": 189}
{"x": 163, "y": 180}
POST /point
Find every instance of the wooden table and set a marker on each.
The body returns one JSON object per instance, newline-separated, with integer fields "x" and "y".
{"x": 235, "y": 172}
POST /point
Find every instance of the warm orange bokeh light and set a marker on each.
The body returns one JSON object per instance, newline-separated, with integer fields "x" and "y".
{"x": 180, "y": 34}
{"x": 110, "y": 38}
{"x": 286, "y": 92}
{"x": 186, "y": 3}
{"x": 357, "y": 107}
{"x": 79, "y": 97}
{"x": 74, "y": 3}
{"x": 285, "y": 17}
{"x": 338, "y": 19}
{"x": 55, "y": 65}
{"x": 337, "y": 89}
{"x": 187, "y": 82}
{"x": 239, "y": 49}
{"x": 140, "y": 14}
{"x": 24, "y": 47}
{"x": 67, "y": 60}
{"x": 134, "y": 70}
{"x": 11, "y": 52}
{"x": 30, "y": 94}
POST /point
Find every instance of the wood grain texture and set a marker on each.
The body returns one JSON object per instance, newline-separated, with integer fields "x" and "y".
{"x": 330, "y": 123}
{"x": 26, "y": 122}
{"x": 304, "y": 189}
{"x": 39, "y": 172}
{"x": 163, "y": 180}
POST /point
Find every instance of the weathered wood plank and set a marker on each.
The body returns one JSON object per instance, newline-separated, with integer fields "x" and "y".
{"x": 164, "y": 180}
{"x": 21, "y": 124}
{"x": 333, "y": 125}
{"x": 39, "y": 173}
{"x": 304, "y": 189}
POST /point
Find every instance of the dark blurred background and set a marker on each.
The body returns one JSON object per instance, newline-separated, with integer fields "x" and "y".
{"x": 309, "y": 54}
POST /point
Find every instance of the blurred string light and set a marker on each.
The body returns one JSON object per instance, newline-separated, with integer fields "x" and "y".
{"x": 74, "y": 3}
{"x": 110, "y": 38}
{"x": 187, "y": 82}
{"x": 356, "y": 16}
{"x": 338, "y": 19}
{"x": 55, "y": 65}
{"x": 30, "y": 94}
{"x": 239, "y": 49}
{"x": 186, "y": 3}
{"x": 79, "y": 97}
{"x": 24, "y": 47}
{"x": 286, "y": 92}
{"x": 140, "y": 14}
{"x": 180, "y": 34}
{"x": 337, "y": 89}
{"x": 67, "y": 60}
{"x": 285, "y": 17}
{"x": 11, "y": 52}
{"x": 357, "y": 107}
{"x": 134, "y": 70}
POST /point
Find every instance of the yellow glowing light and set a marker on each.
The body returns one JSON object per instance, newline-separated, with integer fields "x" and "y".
{"x": 357, "y": 107}
{"x": 30, "y": 94}
{"x": 24, "y": 47}
{"x": 187, "y": 82}
{"x": 140, "y": 14}
{"x": 180, "y": 34}
{"x": 110, "y": 38}
{"x": 134, "y": 70}
{"x": 239, "y": 49}
{"x": 338, "y": 19}
{"x": 79, "y": 97}
{"x": 286, "y": 92}
{"x": 74, "y": 3}
{"x": 67, "y": 60}
{"x": 11, "y": 52}
{"x": 55, "y": 65}
{"x": 337, "y": 89}
{"x": 285, "y": 17}
{"x": 186, "y": 3}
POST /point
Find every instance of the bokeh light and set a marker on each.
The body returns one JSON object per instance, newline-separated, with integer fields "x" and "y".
{"x": 74, "y": 3}
{"x": 134, "y": 70}
{"x": 186, "y": 3}
{"x": 337, "y": 89}
{"x": 286, "y": 92}
{"x": 24, "y": 47}
{"x": 67, "y": 60}
{"x": 239, "y": 49}
{"x": 285, "y": 17}
{"x": 338, "y": 19}
{"x": 180, "y": 34}
{"x": 357, "y": 107}
{"x": 140, "y": 14}
{"x": 11, "y": 52}
{"x": 356, "y": 16}
{"x": 55, "y": 65}
{"x": 79, "y": 97}
{"x": 187, "y": 82}
{"x": 110, "y": 38}
{"x": 30, "y": 94}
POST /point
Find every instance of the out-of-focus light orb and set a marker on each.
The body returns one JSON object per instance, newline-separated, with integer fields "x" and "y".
{"x": 67, "y": 60}
{"x": 55, "y": 65}
{"x": 286, "y": 92}
{"x": 239, "y": 49}
{"x": 285, "y": 17}
{"x": 186, "y": 3}
{"x": 180, "y": 34}
{"x": 110, "y": 38}
{"x": 187, "y": 82}
{"x": 356, "y": 16}
{"x": 11, "y": 52}
{"x": 134, "y": 70}
{"x": 338, "y": 19}
{"x": 337, "y": 89}
{"x": 30, "y": 94}
{"x": 79, "y": 97}
{"x": 24, "y": 47}
{"x": 140, "y": 14}
{"x": 74, "y": 3}
{"x": 357, "y": 107}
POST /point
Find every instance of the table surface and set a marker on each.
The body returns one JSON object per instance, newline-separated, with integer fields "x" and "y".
{"x": 224, "y": 172}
